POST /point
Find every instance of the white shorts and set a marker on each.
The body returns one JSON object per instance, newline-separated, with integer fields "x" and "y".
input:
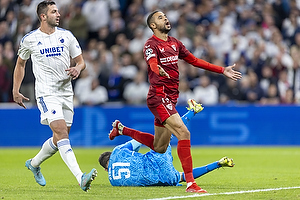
{"x": 54, "y": 108}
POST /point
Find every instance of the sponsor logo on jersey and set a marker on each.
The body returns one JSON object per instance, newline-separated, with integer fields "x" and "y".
{"x": 162, "y": 50}
{"x": 52, "y": 51}
{"x": 39, "y": 43}
{"x": 169, "y": 59}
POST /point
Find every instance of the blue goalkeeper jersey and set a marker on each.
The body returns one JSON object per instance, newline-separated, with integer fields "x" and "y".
{"x": 129, "y": 168}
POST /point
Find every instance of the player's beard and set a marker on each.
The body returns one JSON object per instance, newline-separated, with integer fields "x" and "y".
{"x": 52, "y": 23}
{"x": 164, "y": 30}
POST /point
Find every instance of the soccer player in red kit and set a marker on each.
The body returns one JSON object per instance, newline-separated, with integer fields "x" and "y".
{"x": 161, "y": 52}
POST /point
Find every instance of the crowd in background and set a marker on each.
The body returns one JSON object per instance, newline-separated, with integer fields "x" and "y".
{"x": 262, "y": 37}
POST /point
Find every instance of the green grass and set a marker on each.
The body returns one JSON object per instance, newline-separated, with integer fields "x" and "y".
{"x": 256, "y": 168}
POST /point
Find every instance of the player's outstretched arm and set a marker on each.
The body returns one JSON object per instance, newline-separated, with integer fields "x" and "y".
{"x": 229, "y": 72}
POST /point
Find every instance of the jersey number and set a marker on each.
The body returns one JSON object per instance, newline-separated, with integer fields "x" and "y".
{"x": 120, "y": 168}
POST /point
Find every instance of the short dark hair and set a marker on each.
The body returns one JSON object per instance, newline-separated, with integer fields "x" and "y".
{"x": 104, "y": 158}
{"x": 42, "y": 8}
{"x": 149, "y": 18}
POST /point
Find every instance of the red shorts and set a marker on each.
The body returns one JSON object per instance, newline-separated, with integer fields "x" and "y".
{"x": 161, "y": 108}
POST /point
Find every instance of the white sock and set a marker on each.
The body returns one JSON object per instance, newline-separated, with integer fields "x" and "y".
{"x": 48, "y": 149}
{"x": 69, "y": 158}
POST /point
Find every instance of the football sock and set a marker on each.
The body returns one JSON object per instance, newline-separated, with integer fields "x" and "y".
{"x": 144, "y": 138}
{"x": 48, "y": 149}
{"x": 188, "y": 116}
{"x": 199, "y": 171}
{"x": 185, "y": 157}
{"x": 147, "y": 138}
{"x": 69, "y": 158}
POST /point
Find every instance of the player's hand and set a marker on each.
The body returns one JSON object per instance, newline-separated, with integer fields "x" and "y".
{"x": 229, "y": 72}
{"x": 73, "y": 72}
{"x": 18, "y": 98}
{"x": 162, "y": 72}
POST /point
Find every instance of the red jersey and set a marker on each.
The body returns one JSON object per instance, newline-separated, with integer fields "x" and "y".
{"x": 167, "y": 54}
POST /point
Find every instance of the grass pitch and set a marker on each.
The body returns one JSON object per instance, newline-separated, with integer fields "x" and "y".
{"x": 256, "y": 169}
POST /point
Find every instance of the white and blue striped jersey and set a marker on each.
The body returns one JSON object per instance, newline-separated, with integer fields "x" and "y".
{"x": 129, "y": 168}
{"x": 50, "y": 56}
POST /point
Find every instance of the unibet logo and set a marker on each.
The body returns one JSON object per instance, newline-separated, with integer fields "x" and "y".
{"x": 52, "y": 51}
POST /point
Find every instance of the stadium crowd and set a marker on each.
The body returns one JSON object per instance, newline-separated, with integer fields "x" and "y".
{"x": 261, "y": 36}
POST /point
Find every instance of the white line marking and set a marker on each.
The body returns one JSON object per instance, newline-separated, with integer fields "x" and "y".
{"x": 227, "y": 193}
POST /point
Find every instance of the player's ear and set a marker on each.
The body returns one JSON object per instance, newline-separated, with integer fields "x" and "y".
{"x": 153, "y": 25}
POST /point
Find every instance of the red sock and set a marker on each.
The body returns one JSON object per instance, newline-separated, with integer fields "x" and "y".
{"x": 185, "y": 157}
{"x": 144, "y": 138}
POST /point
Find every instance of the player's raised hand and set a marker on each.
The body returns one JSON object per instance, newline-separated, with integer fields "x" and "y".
{"x": 229, "y": 72}
{"x": 162, "y": 72}
{"x": 18, "y": 98}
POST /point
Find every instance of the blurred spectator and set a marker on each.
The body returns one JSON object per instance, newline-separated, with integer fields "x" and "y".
{"x": 28, "y": 8}
{"x": 104, "y": 35}
{"x": 97, "y": 13}
{"x": 289, "y": 97}
{"x": 12, "y": 22}
{"x": 114, "y": 84}
{"x": 94, "y": 94}
{"x": 230, "y": 92}
{"x": 182, "y": 36}
{"x": 289, "y": 25}
{"x": 294, "y": 72}
{"x": 5, "y": 82}
{"x": 123, "y": 42}
{"x": 254, "y": 93}
{"x": 185, "y": 93}
{"x": 272, "y": 96}
{"x": 5, "y": 7}
{"x": 82, "y": 84}
{"x": 234, "y": 54}
{"x": 206, "y": 93}
{"x": 137, "y": 43}
{"x": 78, "y": 25}
{"x": 267, "y": 78}
{"x": 136, "y": 92}
{"x": 128, "y": 70}
{"x": 117, "y": 24}
{"x": 283, "y": 84}
{"x": 4, "y": 32}
{"x": 218, "y": 41}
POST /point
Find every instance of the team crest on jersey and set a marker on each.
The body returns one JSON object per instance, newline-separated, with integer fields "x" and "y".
{"x": 61, "y": 40}
{"x": 174, "y": 47}
{"x": 169, "y": 106}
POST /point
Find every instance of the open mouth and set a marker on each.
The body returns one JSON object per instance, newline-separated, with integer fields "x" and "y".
{"x": 168, "y": 24}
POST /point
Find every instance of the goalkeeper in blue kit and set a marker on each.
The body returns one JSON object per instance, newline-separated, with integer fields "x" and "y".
{"x": 127, "y": 167}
